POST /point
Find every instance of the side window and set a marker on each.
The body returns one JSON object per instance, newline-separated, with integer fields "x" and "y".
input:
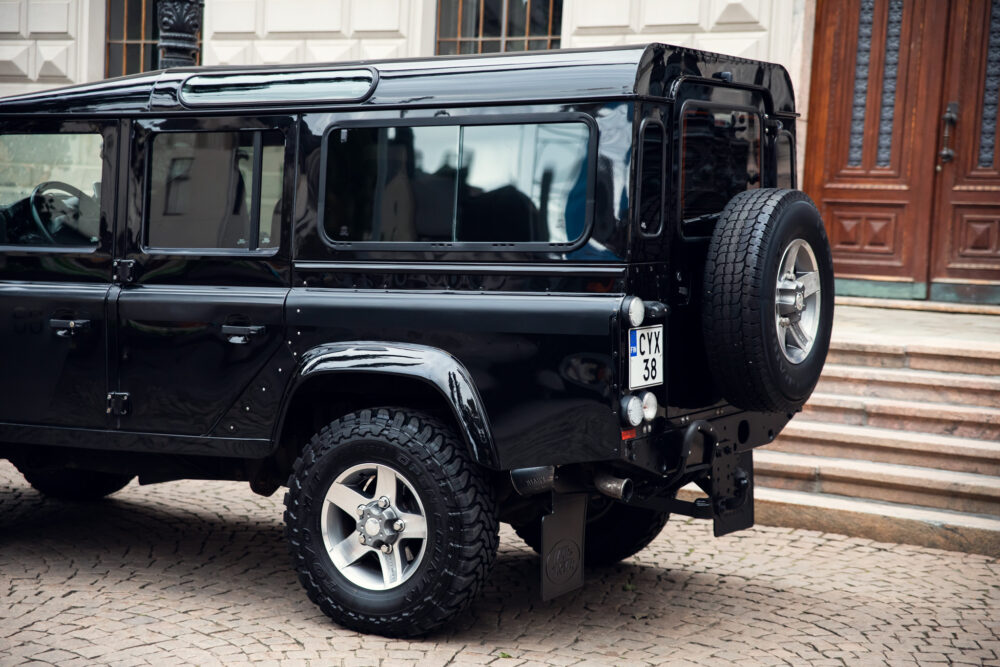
{"x": 214, "y": 190}
{"x": 784, "y": 152}
{"x": 514, "y": 183}
{"x": 720, "y": 157}
{"x": 651, "y": 169}
{"x": 50, "y": 189}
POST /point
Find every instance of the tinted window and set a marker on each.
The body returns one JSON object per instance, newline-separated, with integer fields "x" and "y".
{"x": 50, "y": 186}
{"x": 651, "y": 170}
{"x": 215, "y": 190}
{"x": 720, "y": 158}
{"x": 445, "y": 184}
{"x": 785, "y": 159}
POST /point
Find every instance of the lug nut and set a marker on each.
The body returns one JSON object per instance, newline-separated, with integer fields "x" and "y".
{"x": 361, "y": 510}
{"x": 398, "y": 525}
{"x": 383, "y": 502}
{"x": 362, "y": 539}
{"x": 387, "y": 548}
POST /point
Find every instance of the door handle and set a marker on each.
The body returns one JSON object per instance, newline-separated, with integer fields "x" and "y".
{"x": 240, "y": 335}
{"x": 68, "y": 328}
{"x": 950, "y": 119}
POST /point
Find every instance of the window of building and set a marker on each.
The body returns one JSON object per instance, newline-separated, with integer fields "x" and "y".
{"x": 494, "y": 26}
{"x": 215, "y": 190}
{"x": 514, "y": 183}
{"x": 131, "y": 33}
{"x": 720, "y": 157}
{"x": 50, "y": 189}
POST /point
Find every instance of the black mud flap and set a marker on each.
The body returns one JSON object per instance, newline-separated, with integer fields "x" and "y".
{"x": 731, "y": 489}
{"x": 562, "y": 544}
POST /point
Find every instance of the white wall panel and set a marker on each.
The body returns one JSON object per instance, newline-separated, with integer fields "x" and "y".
{"x": 45, "y": 43}
{"x": 51, "y": 17}
{"x": 12, "y": 19}
{"x": 309, "y": 31}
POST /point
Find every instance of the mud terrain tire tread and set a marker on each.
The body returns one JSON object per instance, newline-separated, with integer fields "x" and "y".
{"x": 620, "y": 533}
{"x": 464, "y": 560}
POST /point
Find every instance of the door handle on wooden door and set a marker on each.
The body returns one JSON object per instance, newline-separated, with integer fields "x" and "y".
{"x": 950, "y": 119}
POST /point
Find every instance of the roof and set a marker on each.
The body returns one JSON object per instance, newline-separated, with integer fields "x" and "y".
{"x": 563, "y": 75}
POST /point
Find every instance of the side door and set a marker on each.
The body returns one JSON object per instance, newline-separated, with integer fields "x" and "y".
{"x": 57, "y": 206}
{"x": 206, "y": 269}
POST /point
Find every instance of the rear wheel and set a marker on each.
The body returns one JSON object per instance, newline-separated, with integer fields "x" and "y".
{"x": 614, "y": 531}
{"x": 72, "y": 484}
{"x": 392, "y": 526}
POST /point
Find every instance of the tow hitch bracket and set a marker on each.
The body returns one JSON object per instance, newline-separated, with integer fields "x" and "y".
{"x": 729, "y": 485}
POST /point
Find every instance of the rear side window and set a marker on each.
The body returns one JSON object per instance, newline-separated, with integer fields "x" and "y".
{"x": 50, "y": 189}
{"x": 215, "y": 190}
{"x": 784, "y": 150}
{"x": 720, "y": 157}
{"x": 652, "y": 167}
{"x": 512, "y": 183}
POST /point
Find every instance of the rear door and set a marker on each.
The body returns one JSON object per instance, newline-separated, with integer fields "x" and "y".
{"x": 56, "y": 211}
{"x": 205, "y": 270}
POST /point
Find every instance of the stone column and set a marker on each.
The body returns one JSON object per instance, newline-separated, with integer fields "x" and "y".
{"x": 179, "y": 22}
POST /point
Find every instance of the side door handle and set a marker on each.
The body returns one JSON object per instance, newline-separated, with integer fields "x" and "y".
{"x": 240, "y": 335}
{"x": 68, "y": 328}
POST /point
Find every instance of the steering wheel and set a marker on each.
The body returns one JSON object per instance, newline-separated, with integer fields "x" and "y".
{"x": 36, "y": 199}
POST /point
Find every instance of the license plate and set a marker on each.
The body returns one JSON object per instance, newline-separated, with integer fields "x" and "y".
{"x": 645, "y": 357}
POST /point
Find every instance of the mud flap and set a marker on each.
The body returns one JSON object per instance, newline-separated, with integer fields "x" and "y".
{"x": 731, "y": 489}
{"x": 562, "y": 544}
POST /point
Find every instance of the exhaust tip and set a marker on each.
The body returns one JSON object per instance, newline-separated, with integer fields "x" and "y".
{"x": 619, "y": 488}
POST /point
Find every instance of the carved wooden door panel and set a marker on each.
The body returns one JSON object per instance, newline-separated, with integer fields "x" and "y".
{"x": 965, "y": 262}
{"x": 871, "y": 138}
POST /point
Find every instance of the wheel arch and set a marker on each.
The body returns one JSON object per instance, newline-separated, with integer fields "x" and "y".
{"x": 351, "y": 375}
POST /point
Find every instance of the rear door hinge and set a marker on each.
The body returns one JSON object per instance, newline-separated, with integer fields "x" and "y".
{"x": 124, "y": 271}
{"x": 118, "y": 403}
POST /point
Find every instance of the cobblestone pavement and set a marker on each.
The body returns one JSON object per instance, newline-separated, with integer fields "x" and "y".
{"x": 197, "y": 572}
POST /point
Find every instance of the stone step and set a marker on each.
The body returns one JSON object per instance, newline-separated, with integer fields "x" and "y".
{"x": 926, "y": 450}
{"x": 909, "y": 485}
{"x": 909, "y": 384}
{"x": 879, "y": 521}
{"x": 872, "y": 519}
{"x": 966, "y": 358}
{"x": 962, "y": 421}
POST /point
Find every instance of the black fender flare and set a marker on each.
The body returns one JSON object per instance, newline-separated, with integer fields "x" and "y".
{"x": 431, "y": 365}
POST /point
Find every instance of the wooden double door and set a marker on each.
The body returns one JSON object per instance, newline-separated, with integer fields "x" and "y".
{"x": 902, "y": 154}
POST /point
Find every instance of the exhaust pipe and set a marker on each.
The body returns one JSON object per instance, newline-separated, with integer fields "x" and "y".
{"x": 613, "y": 487}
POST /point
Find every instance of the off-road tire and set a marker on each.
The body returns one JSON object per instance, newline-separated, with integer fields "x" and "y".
{"x": 614, "y": 531}
{"x": 741, "y": 270}
{"x": 72, "y": 484}
{"x": 461, "y": 512}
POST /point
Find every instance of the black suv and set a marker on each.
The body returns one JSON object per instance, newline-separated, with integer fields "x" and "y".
{"x": 426, "y": 296}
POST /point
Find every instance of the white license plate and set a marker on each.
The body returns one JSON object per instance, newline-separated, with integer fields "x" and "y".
{"x": 645, "y": 357}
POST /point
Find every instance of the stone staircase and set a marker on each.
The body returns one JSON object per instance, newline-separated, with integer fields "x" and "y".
{"x": 900, "y": 441}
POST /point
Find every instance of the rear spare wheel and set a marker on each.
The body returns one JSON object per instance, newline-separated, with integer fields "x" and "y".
{"x": 767, "y": 301}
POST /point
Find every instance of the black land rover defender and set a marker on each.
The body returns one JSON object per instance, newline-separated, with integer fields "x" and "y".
{"x": 427, "y": 296}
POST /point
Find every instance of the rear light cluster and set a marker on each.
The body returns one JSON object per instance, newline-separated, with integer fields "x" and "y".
{"x": 639, "y": 408}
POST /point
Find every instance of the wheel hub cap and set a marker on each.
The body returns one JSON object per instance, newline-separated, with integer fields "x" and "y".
{"x": 797, "y": 301}
{"x": 377, "y": 524}
{"x": 374, "y": 527}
